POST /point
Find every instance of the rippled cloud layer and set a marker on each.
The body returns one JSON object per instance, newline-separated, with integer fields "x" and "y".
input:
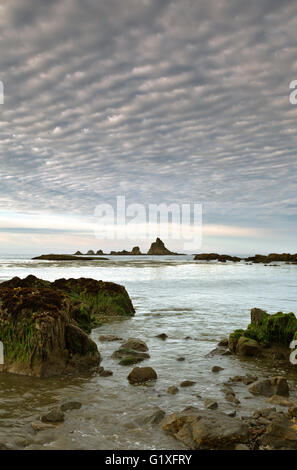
{"x": 157, "y": 100}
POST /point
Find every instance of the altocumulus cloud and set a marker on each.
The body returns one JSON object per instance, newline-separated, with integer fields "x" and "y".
{"x": 158, "y": 100}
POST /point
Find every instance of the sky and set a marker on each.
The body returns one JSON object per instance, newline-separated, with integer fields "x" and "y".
{"x": 157, "y": 101}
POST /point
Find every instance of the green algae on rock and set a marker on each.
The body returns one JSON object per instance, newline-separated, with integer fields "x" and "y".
{"x": 93, "y": 302}
{"x": 37, "y": 334}
{"x": 264, "y": 331}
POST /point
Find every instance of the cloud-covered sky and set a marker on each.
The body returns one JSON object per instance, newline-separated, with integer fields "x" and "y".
{"x": 183, "y": 101}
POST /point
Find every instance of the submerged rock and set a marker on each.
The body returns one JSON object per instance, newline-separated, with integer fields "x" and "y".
{"x": 70, "y": 405}
{"x": 172, "y": 390}
{"x": 38, "y": 335}
{"x": 56, "y": 415}
{"x": 187, "y": 383}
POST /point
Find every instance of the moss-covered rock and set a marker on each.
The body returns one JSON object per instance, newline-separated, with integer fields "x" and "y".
{"x": 93, "y": 302}
{"x": 266, "y": 331}
{"x": 37, "y": 334}
{"x": 233, "y": 339}
{"x": 248, "y": 347}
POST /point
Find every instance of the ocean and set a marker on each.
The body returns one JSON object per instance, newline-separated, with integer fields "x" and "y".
{"x": 194, "y": 303}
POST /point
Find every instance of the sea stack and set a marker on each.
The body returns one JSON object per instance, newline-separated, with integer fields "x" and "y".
{"x": 158, "y": 248}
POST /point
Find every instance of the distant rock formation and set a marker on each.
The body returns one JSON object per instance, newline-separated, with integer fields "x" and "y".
{"x": 158, "y": 248}
{"x": 216, "y": 257}
{"x": 135, "y": 251}
{"x": 53, "y": 257}
{"x": 78, "y": 253}
{"x": 99, "y": 252}
{"x": 273, "y": 257}
{"x": 90, "y": 252}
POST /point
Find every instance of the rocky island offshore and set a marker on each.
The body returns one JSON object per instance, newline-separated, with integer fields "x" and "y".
{"x": 157, "y": 248}
{"x": 266, "y": 259}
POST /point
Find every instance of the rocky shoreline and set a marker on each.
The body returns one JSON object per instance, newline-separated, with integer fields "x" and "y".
{"x": 44, "y": 327}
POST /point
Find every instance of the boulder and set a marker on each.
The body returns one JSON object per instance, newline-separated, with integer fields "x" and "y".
{"x": 205, "y": 429}
{"x": 135, "y": 344}
{"x": 141, "y": 375}
{"x": 93, "y": 302}
{"x": 280, "y": 436}
{"x": 38, "y": 335}
{"x": 269, "y": 387}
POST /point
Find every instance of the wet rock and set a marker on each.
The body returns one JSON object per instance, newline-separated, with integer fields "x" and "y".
{"x": 230, "y": 395}
{"x": 108, "y": 338}
{"x": 156, "y": 417}
{"x": 162, "y": 336}
{"x": 105, "y": 373}
{"x": 135, "y": 344}
{"x": 53, "y": 416}
{"x": 70, "y": 405}
{"x": 292, "y": 412}
{"x": 172, "y": 390}
{"x": 269, "y": 387}
{"x": 216, "y": 369}
{"x": 249, "y": 379}
{"x": 247, "y": 347}
{"x": 187, "y": 383}
{"x": 224, "y": 342}
{"x": 141, "y": 375}
{"x": 129, "y": 357}
{"x": 279, "y": 400}
{"x": 205, "y": 429}
{"x": 280, "y": 436}
{"x": 216, "y": 352}
{"x": 272, "y": 333}
{"x": 44, "y": 342}
{"x": 180, "y": 359}
{"x": 210, "y": 404}
{"x": 39, "y": 426}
